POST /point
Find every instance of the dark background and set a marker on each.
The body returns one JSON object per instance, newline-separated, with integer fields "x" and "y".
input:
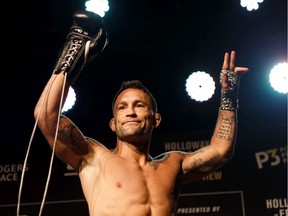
{"x": 159, "y": 42}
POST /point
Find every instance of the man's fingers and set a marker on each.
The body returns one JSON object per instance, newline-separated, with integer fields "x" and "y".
{"x": 226, "y": 61}
{"x": 232, "y": 60}
{"x": 229, "y": 61}
{"x": 241, "y": 70}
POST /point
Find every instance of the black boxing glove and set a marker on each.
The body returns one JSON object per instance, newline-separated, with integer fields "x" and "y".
{"x": 85, "y": 41}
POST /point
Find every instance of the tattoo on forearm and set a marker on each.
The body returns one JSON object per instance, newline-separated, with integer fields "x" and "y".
{"x": 71, "y": 137}
{"x": 225, "y": 129}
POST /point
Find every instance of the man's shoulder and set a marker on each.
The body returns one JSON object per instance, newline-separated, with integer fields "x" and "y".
{"x": 170, "y": 154}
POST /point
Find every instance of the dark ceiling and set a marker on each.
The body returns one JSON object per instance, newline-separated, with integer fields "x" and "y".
{"x": 159, "y": 42}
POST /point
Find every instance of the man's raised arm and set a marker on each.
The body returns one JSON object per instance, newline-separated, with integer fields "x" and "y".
{"x": 86, "y": 40}
{"x": 208, "y": 159}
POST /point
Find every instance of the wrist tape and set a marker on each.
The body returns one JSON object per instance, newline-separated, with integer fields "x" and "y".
{"x": 229, "y": 98}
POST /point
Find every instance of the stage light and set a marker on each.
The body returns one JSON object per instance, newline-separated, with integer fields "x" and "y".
{"x": 250, "y": 4}
{"x": 279, "y": 78}
{"x": 200, "y": 86}
{"x": 70, "y": 100}
{"x": 97, "y": 6}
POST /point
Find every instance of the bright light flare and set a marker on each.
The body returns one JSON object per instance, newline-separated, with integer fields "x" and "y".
{"x": 250, "y": 4}
{"x": 70, "y": 100}
{"x": 279, "y": 78}
{"x": 200, "y": 86}
{"x": 97, "y": 6}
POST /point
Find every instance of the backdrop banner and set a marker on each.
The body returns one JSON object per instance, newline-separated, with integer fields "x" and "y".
{"x": 253, "y": 183}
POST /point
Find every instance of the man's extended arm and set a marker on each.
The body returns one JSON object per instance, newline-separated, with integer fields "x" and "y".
{"x": 208, "y": 159}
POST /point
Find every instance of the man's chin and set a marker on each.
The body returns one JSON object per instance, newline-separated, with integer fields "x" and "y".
{"x": 131, "y": 135}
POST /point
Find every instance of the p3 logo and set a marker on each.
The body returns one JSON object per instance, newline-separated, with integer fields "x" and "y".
{"x": 271, "y": 157}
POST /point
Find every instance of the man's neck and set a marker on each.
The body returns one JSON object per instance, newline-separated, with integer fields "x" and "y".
{"x": 138, "y": 154}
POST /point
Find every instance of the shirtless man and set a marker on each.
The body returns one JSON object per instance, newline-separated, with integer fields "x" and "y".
{"x": 128, "y": 181}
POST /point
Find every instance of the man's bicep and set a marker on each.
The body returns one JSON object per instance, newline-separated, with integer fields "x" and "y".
{"x": 71, "y": 137}
{"x": 71, "y": 145}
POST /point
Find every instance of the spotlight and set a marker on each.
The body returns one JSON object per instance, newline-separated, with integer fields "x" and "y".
{"x": 70, "y": 100}
{"x": 279, "y": 78}
{"x": 251, "y": 4}
{"x": 200, "y": 86}
{"x": 97, "y": 6}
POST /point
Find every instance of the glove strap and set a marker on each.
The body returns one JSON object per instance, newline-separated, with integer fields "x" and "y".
{"x": 229, "y": 98}
{"x": 72, "y": 59}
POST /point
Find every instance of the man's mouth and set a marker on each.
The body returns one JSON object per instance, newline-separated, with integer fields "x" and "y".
{"x": 131, "y": 122}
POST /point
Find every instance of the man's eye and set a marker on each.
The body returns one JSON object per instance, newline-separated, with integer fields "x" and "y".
{"x": 121, "y": 107}
{"x": 140, "y": 105}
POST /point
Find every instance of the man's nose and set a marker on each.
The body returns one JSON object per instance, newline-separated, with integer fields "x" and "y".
{"x": 131, "y": 111}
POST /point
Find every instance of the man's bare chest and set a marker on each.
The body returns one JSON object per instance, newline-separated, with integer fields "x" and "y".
{"x": 151, "y": 179}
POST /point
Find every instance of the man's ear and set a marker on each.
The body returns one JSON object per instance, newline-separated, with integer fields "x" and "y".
{"x": 157, "y": 119}
{"x": 112, "y": 124}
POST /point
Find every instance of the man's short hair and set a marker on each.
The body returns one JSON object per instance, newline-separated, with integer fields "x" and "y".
{"x": 136, "y": 84}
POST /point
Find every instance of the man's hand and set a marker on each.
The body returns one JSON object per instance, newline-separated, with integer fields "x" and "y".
{"x": 229, "y": 80}
{"x": 85, "y": 41}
